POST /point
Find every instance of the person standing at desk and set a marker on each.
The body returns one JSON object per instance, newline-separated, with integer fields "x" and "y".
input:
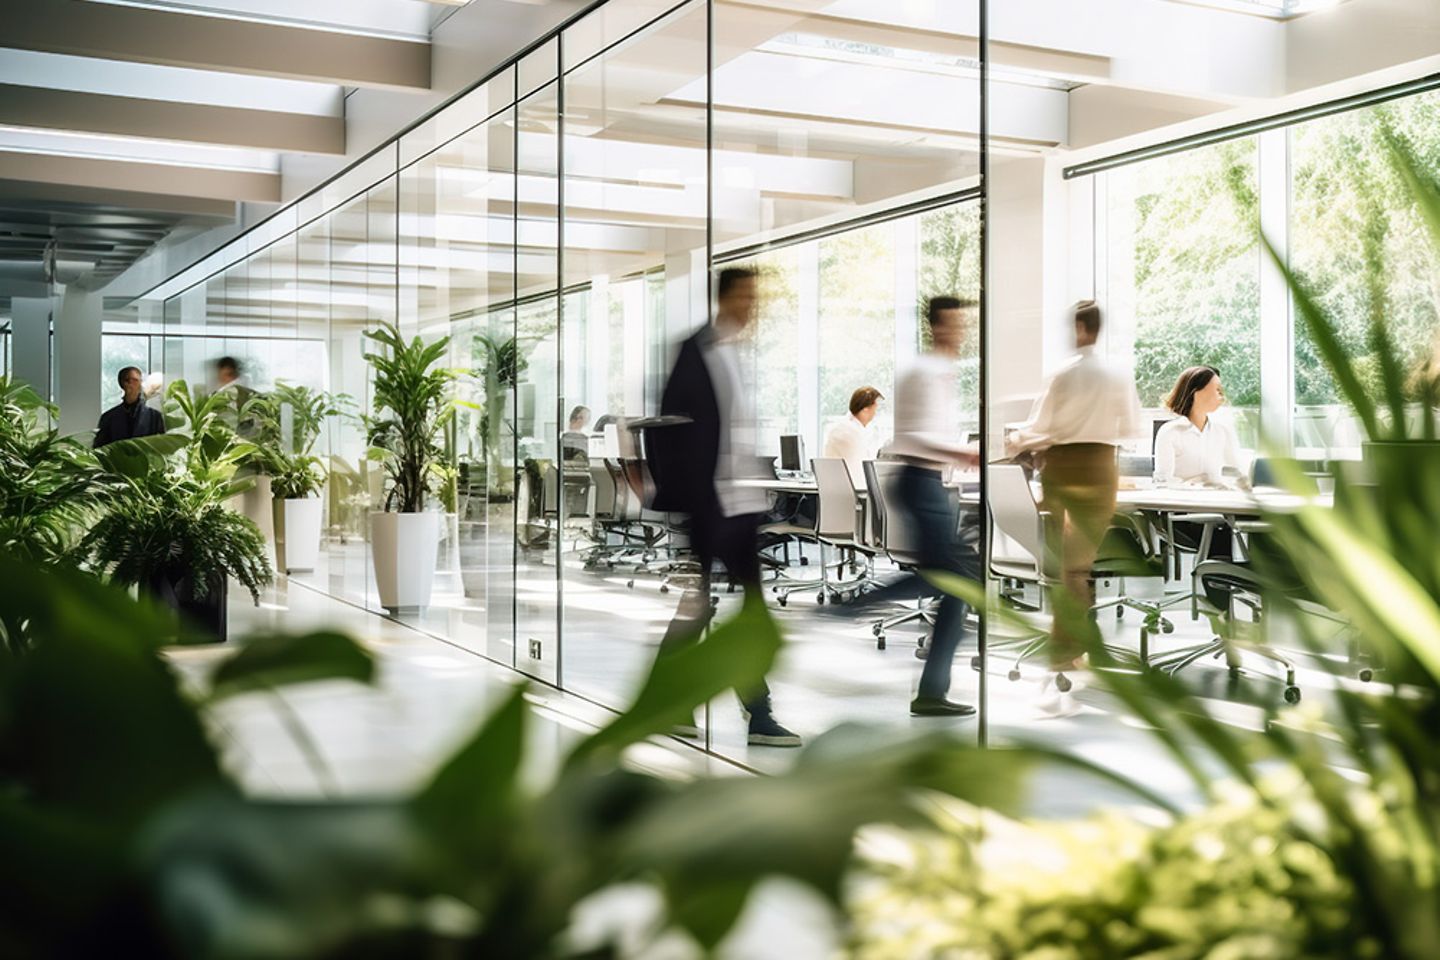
{"x": 853, "y": 439}
{"x": 130, "y": 417}
{"x": 1194, "y": 450}
{"x": 1078, "y": 423}
{"x": 926, "y": 442}
{"x": 695, "y": 466}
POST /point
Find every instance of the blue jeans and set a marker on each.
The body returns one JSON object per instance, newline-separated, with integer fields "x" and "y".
{"x": 930, "y": 511}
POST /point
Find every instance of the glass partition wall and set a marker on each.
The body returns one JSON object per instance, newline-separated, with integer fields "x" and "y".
{"x": 562, "y": 225}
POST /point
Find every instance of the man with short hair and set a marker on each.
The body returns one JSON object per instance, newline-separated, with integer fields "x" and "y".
{"x": 853, "y": 439}
{"x": 699, "y": 466}
{"x": 1078, "y": 424}
{"x": 925, "y": 439}
{"x": 130, "y": 417}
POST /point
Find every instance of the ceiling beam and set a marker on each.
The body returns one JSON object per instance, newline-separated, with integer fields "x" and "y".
{"x": 57, "y": 196}
{"x": 22, "y": 106}
{"x": 147, "y": 35}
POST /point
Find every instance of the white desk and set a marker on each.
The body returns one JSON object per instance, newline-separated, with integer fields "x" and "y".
{"x": 1230, "y": 503}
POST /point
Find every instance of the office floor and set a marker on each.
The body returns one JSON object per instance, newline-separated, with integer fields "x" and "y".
{"x": 830, "y": 671}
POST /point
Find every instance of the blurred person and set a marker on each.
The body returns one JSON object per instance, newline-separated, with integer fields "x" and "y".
{"x": 229, "y": 379}
{"x": 853, "y": 439}
{"x": 153, "y": 390}
{"x": 696, "y": 465}
{"x": 1088, "y": 408}
{"x": 130, "y": 417}
{"x": 925, "y": 438}
{"x": 1194, "y": 450}
{"x": 575, "y": 441}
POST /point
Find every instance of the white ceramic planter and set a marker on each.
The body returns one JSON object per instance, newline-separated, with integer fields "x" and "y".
{"x": 403, "y": 547}
{"x": 299, "y": 536}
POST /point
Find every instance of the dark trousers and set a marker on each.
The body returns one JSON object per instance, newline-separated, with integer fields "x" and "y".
{"x": 930, "y": 511}
{"x": 732, "y": 541}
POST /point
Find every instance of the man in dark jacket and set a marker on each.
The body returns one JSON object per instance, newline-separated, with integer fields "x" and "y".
{"x": 695, "y": 466}
{"x": 130, "y": 417}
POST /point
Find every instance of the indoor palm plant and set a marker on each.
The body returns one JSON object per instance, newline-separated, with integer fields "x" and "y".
{"x": 289, "y": 421}
{"x": 501, "y": 364}
{"x": 412, "y": 407}
{"x": 167, "y": 528}
{"x": 49, "y": 483}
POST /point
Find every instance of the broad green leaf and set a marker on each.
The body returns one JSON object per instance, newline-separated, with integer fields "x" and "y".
{"x": 736, "y": 655}
{"x": 474, "y": 786}
{"x": 277, "y": 660}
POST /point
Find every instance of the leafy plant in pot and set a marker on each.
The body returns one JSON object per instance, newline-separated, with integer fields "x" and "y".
{"x": 297, "y": 476}
{"x": 498, "y": 374}
{"x": 167, "y": 529}
{"x": 412, "y": 408}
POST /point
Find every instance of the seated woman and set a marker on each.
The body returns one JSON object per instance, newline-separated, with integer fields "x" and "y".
{"x": 1193, "y": 450}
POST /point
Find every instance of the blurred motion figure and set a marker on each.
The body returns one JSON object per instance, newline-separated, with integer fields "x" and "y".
{"x": 696, "y": 466}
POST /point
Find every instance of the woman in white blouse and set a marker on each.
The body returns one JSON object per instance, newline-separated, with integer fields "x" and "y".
{"x": 1193, "y": 450}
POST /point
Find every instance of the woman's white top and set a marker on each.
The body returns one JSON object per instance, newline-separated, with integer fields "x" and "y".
{"x": 1186, "y": 455}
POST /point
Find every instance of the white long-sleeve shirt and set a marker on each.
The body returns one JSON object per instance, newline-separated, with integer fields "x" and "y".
{"x": 1087, "y": 401}
{"x": 1185, "y": 455}
{"x": 736, "y": 458}
{"x": 925, "y": 428}
{"x": 853, "y": 442}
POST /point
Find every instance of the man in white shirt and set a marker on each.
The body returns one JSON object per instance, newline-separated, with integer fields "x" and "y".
{"x": 853, "y": 439}
{"x": 925, "y": 439}
{"x": 1086, "y": 411}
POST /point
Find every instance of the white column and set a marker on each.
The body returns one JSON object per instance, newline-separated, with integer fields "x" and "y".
{"x": 1277, "y": 342}
{"x": 907, "y": 291}
{"x": 30, "y": 342}
{"x": 807, "y": 374}
{"x": 77, "y": 359}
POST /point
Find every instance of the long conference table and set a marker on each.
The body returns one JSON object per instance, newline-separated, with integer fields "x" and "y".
{"x": 1229, "y": 503}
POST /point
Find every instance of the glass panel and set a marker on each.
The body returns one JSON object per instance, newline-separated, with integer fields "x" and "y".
{"x": 535, "y": 415}
{"x": 1184, "y": 277}
{"x": 822, "y": 129}
{"x": 635, "y": 207}
{"x": 1344, "y": 187}
{"x": 458, "y": 279}
{"x": 608, "y": 24}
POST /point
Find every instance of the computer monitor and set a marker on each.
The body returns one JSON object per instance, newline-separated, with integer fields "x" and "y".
{"x": 792, "y": 452}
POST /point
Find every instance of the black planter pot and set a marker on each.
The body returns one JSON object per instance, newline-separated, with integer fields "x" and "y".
{"x": 206, "y": 613}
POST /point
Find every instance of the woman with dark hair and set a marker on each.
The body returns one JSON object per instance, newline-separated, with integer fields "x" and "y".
{"x": 1195, "y": 448}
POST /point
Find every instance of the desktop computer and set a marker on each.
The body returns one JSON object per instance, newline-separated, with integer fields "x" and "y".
{"x": 792, "y": 456}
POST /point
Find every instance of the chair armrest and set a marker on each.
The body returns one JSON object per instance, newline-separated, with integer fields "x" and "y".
{"x": 1254, "y": 526}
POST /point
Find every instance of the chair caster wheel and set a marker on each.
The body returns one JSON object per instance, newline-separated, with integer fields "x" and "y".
{"x": 630, "y": 584}
{"x": 1014, "y": 675}
{"x": 664, "y": 588}
{"x": 1292, "y": 694}
{"x": 880, "y": 642}
{"x": 1062, "y": 683}
{"x": 820, "y": 597}
{"x": 1166, "y": 626}
{"x": 922, "y": 653}
{"x": 783, "y": 600}
{"x": 1366, "y": 675}
{"x": 877, "y": 631}
{"x": 975, "y": 664}
{"x": 804, "y": 561}
{"x": 730, "y": 588}
{"x": 1119, "y": 613}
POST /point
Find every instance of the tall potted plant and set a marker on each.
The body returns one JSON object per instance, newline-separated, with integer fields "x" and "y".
{"x": 167, "y": 529}
{"x": 297, "y": 476}
{"x": 499, "y": 372}
{"x": 412, "y": 407}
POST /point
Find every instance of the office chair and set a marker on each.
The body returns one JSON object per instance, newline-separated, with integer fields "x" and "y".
{"x": 837, "y": 520}
{"x": 895, "y": 541}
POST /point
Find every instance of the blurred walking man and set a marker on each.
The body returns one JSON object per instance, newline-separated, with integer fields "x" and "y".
{"x": 696, "y": 467}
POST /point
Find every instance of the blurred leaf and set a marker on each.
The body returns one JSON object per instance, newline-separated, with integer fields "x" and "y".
{"x": 735, "y": 656}
{"x": 278, "y": 660}
{"x": 474, "y": 788}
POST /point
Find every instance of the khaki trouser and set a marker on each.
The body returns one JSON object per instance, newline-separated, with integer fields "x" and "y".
{"x": 1079, "y": 482}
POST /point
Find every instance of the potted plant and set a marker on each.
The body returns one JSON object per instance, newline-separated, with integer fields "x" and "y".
{"x": 297, "y": 476}
{"x": 499, "y": 373}
{"x": 167, "y": 529}
{"x": 412, "y": 408}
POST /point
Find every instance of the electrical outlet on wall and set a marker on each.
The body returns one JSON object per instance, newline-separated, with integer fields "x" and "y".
{"x": 534, "y": 649}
